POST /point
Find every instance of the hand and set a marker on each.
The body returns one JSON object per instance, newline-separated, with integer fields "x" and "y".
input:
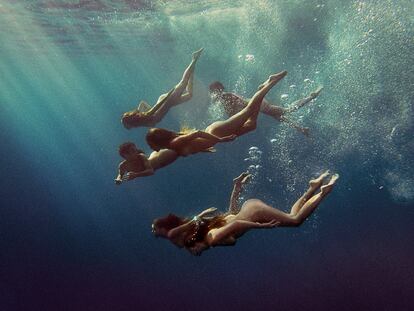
{"x": 228, "y": 138}
{"x": 128, "y": 176}
{"x": 207, "y": 211}
{"x": 242, "y": 179}
{"x": 270, "y": 224}
{"x": 118, "y": 181}
{"x": 197, "y": 249}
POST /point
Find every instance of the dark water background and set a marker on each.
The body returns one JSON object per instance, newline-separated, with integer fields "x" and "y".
{"x": 71, "y": 240}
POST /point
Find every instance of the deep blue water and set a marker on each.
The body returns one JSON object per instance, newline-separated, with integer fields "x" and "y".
{"x": 71, "y": 240}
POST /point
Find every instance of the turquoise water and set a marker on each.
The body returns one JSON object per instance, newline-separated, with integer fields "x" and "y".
{"x": 69, "y": 237}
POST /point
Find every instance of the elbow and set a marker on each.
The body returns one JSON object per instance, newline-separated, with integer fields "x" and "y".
{"x": 210, "y": 240}
{"x": 170, "y": 235}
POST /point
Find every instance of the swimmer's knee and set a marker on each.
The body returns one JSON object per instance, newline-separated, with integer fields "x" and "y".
{"x": 179, "y": 88}
{"x": 295, "y": 221}
{"x": 250, "y": 125}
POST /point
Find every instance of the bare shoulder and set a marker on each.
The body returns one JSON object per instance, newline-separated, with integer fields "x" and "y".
{"x": 142, "y": 157}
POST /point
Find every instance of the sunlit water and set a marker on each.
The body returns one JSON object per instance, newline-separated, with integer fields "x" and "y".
{"x": 69, "y": 237}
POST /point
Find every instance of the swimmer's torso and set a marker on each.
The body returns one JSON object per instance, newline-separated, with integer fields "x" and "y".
{"x": 250, "y": 211}
{"x": 135, "y": 165}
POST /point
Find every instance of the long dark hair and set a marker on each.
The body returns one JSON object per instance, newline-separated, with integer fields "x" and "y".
{"x": 158, "y": 138}
{"x": 195, "y": 233}
{"x": 131, "y": 118}
{"x": 169, "y": 222}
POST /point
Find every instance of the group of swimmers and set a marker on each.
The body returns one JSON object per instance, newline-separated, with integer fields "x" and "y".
{"x": 211, "y": 228}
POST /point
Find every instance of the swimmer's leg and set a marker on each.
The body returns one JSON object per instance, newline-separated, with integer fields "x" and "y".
{"x": 186, "y": 83}
{"x": 314, "y": 184}
{"x": 272, "y": 110}
{"x": 311, "y": 204}
{"x": 303, "y": 130}
{"x": 302, "y": 102}
{"x": 245, "y": 120}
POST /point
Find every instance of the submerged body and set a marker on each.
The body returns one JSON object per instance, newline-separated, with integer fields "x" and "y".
{"x": 137, "y": 164}
{"x": 148, "y": 116}
{"x": 220, "y": 131}
{"x": 234, "y": 103}
{"x": 202, "y": 232}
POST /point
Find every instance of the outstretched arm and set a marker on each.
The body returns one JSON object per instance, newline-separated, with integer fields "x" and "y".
{"x": 147, "y": 171}
{"x": 175, "y": 233}
{"x": 238, "y": 183}
{"x": 207, "y": 211}
{"x": 121, "y": 173}
{"x": 132, "y": 175}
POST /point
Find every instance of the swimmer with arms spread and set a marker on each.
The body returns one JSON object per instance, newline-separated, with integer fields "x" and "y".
{"x": 221, "y": 131}
{"x": 136, "y": 163}
{"x": 206, "y": 230}
{"x": 148, "y": 116}
{"x": 233, "y": 103}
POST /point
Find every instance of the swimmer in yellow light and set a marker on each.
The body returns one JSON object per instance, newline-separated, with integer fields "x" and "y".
{"x": 147, "y": 116}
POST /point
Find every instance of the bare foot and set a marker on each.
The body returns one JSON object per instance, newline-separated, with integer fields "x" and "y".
{"x": 316, "y": 93}
{"x": 273, "y": 79}
{"x": 314, "y": 183}
{"x": 243, "y": 178}
{"x": 197, "y": 54}
{"x": 329, "y": 186}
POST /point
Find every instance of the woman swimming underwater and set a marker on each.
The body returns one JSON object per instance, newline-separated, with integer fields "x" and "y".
{"x": 220, "y": 131}
{"x": 148, "y": 116}
{"x": 204, "y": 231}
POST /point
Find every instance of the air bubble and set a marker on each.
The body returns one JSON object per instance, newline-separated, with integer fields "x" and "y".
{"x": 249, "y": 58}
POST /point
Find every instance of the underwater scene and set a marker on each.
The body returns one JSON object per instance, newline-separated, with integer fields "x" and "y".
{"x": 207, "y": 155}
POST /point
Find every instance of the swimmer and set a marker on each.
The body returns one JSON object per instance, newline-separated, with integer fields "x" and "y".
{"x": 136, "y": 163}
{"x": 221, "y": 131}
{"x": 148, "y": 116}
{"x": 208, "y": 230}
{"x": 233, "y": 103}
